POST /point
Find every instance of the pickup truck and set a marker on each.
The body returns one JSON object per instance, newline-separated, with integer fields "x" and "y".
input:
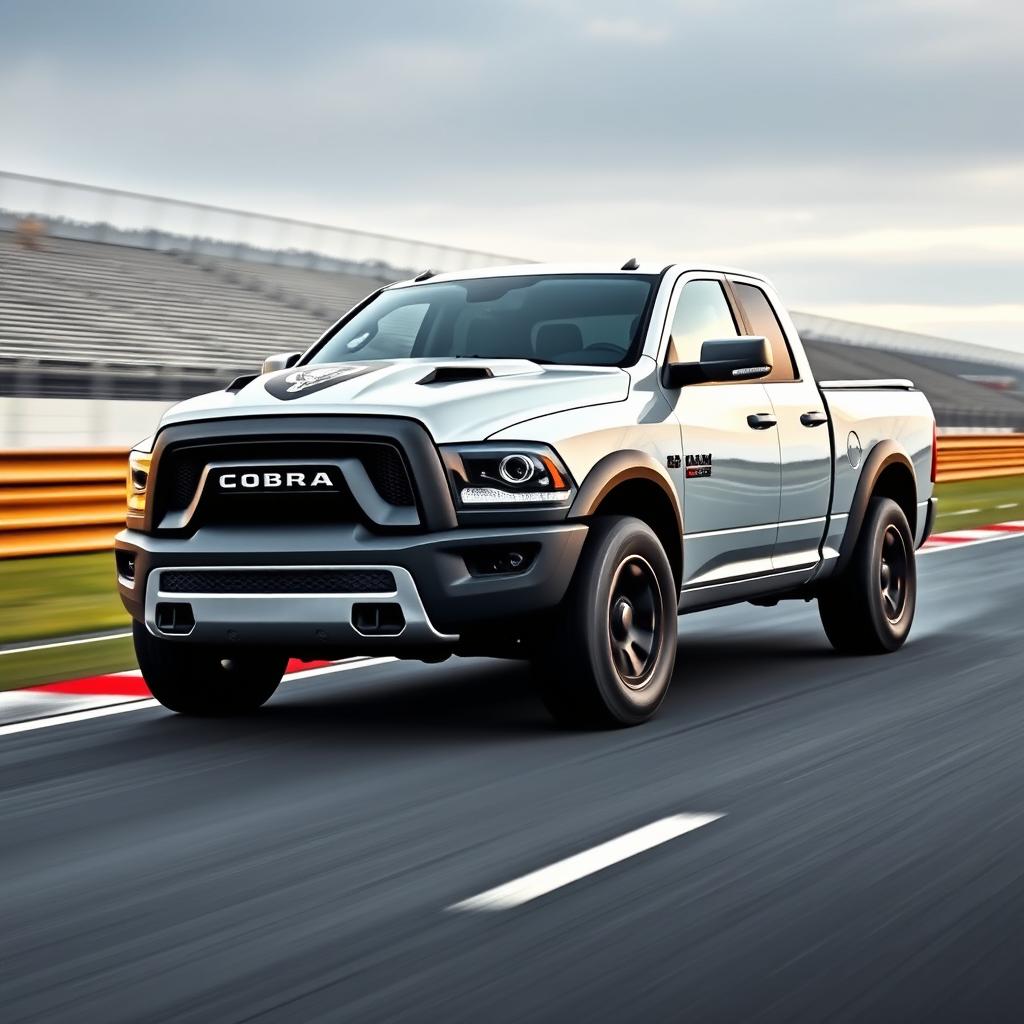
{"x": 538, "y": 462}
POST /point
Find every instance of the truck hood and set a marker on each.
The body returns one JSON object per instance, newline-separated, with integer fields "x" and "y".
{"x": 455, "y": 399}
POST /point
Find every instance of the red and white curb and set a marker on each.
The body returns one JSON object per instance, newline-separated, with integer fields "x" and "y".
{"x": 979, "y": 535}
{"x": 76, "y": 699}
{"x": 79, "y": 699}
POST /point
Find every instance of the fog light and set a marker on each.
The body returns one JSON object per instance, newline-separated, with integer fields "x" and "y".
{"x": 499, "y": 561}
{"x": 125, "y": 561}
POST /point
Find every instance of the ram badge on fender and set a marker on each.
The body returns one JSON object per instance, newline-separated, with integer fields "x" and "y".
{"x": 531, "y": 462}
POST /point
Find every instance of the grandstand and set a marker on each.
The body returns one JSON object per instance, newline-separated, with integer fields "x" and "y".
{"x": 89, "y": 310}
{"x": 90, "y": 319}
{"x": 956, "y": 401}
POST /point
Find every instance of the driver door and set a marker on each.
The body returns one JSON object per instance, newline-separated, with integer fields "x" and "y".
{"x": 731, "y": 473}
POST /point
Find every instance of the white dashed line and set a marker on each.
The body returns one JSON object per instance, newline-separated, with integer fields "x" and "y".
{"x": 597, "y": 858}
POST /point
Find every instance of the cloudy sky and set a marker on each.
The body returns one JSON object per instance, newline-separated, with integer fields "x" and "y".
{"x": 868, "y": 155}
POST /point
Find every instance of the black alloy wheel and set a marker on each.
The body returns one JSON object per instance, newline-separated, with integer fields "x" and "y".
{"x": 634, "y": 621}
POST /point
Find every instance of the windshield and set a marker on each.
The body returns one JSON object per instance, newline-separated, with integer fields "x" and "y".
{"x": 588, "y": 319}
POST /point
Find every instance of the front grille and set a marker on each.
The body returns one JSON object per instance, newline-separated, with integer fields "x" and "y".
{"x": 277, "y": 581}
{"x": 180, "y": 470}
{"x": 388, "y": 475}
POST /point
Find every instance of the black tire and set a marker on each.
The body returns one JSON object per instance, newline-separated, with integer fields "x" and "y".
{"x": 593, "y": 669}
{"x": 869, "y": 608}
{"x": 195, "y": 679}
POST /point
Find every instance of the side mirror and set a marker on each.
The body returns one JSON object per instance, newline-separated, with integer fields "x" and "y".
{"x": 728, "y": 359}
{"x": 282, "y": 361}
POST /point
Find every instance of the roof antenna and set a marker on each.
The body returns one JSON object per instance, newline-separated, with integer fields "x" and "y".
{"x": 630, "y": 264}
{"x": 425, "y": 276}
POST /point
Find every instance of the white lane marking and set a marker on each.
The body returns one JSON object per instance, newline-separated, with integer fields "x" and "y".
{"x": 1009, "y": 504}
{"x": 341, "y": 666}
{"x": 597, "y": 858}
{"x": 957, "y": 535}
{"x": 962, "y": 512}
{"x": 144, "y": 703}
{"x": 77, "y": 716}
{"x": 65, "y": 643}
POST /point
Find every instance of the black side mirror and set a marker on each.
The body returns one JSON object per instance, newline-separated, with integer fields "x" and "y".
{"x": 728, "y": 359}
{"x": 281, "y": 361}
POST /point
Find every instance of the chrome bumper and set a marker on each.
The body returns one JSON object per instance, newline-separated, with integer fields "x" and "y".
{"x": 314, "y": 619}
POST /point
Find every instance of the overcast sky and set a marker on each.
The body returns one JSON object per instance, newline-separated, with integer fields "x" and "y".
{"x": 868, "y": 155}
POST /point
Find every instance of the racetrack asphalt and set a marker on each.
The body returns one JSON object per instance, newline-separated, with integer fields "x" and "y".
{"x": 300, "y": 864}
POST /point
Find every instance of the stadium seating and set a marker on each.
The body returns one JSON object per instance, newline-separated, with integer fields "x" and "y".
{"x": 953, "y": 399}
{"x": 92, "y": 302}
{"x": 94, "y": 319}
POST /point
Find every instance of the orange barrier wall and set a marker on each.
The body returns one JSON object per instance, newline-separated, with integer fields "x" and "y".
{"x": 976, "y": 456}
{"x": 58, "y": 502}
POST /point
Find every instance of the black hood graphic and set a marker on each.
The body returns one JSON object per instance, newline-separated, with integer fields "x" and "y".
{"x": 306, "y": 380}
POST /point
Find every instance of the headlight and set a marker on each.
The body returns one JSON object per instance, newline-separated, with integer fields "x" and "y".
{"x": 485, "y": 475}
{"x": 139, "y": 461}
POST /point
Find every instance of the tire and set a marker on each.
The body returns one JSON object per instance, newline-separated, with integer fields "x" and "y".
{"x": 206, "y": 681}
{"x": 593, "y": 669}
{"x": 870, "y": 607}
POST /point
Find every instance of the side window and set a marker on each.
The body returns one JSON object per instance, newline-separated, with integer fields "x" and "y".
{"x": 702, "y": 314}
{"x": 763, "y": 321}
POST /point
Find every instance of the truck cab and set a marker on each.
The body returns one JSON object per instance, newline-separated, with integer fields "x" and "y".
{"x": 548, "y": 462}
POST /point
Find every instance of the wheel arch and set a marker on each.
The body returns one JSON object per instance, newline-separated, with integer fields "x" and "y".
{"x": 887, "y": 473}
{"x": 633, "y": 483}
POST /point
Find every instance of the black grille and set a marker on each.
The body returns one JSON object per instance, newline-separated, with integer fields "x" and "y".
{"x": 180, "y": 468}
{"x": 388, "y": 475}
{"x": 278, "y": 581}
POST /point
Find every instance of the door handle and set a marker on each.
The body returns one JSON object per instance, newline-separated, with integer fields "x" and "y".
{"x": 761, "y": 420}
{"x": 813, "y": 419}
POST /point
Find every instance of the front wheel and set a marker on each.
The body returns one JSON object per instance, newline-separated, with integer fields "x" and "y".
{"x": 203, "y": 680}
{"x": 869, "y": 608}
{"x": 609, "y": 657}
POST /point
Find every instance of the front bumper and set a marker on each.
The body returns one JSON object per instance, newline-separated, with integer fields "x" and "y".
{"x": 441, "y": 599}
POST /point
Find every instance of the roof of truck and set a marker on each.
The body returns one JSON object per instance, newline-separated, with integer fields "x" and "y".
{"x": 522, "y": 269}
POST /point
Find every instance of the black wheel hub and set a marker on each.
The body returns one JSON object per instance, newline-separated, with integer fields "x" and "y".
{"x": 634, "y": 621}
{"x": 893, "y": 574}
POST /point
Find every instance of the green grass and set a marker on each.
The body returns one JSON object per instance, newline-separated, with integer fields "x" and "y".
{"x": 59, "y": 596}
{"x": 971, "y": 503}
{"x": 65, "y": 595}
{"x": 35, "y": 667}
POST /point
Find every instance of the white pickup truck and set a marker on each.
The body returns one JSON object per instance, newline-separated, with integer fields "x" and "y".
{"x": 543, "y": 462}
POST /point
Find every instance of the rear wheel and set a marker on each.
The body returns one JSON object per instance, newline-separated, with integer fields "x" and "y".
{"x": 870, "y": 607}
{"x": 195, "y": 679}
{"x": 608, "y": 659}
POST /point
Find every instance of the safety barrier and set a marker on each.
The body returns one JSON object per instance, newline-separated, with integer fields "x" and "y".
{"x": 977, "y": 456}
{"x": 59, "y": 502}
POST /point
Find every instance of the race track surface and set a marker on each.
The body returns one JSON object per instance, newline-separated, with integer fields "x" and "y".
{"x": 301, "y": 864}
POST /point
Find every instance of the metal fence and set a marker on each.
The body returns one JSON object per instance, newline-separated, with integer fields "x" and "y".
{"x": 97, "y": 214}
{"x": 61, "y": 502}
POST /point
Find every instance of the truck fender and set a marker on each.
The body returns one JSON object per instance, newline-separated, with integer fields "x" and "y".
{"x": 883, "y": 455}
{"x": 622, "y": 467}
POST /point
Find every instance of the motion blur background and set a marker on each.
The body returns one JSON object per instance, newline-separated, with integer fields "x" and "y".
{"x": 188, "y": 188}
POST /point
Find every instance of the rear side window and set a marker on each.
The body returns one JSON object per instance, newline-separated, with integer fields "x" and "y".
{"x": 763, "y": 321}
{"x": 702, "y": 314}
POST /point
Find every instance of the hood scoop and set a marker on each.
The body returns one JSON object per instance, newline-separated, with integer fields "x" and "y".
{"x": 454, "y": 374}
